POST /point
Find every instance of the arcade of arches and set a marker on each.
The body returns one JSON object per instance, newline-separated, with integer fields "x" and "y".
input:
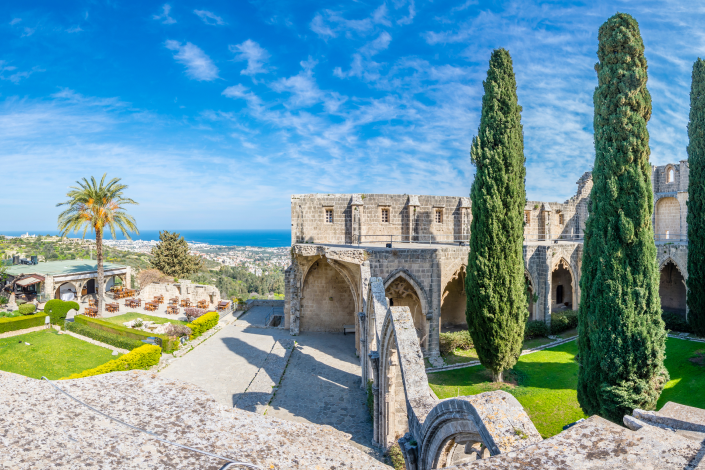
{"x": 454, "y": 302}
{"x": 327, "y": 302}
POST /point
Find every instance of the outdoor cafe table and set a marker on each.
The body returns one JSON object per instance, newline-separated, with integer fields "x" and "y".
{"x": 151, "y": 306}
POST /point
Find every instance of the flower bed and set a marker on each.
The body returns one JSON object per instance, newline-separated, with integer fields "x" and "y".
{"x": 168, "y": 343}
{"x": 143, "y": 357}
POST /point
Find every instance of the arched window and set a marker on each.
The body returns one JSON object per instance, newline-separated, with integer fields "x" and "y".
{"x": 670, "y": 175}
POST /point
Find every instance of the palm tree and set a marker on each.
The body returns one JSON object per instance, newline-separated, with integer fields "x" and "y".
{"x": 93, "y": 206}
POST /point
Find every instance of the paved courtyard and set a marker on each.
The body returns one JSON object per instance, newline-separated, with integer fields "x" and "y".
{"x": 322, "y": 386}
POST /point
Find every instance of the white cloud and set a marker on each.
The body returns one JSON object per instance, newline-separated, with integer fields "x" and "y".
{"x": 9, "y": 73}
{"x": 74, "y": 29}
{"x": 329, "y": 23}
{"x": 166, "y": 19}
{"x": 410, "y": 17}
{"x": 377, "y": 45}
{"x": 15, "y": 21}
{"x": 26, "y": 32}
{"x": 255, "y": 56}
{"x": 198, "y": 65}
{"x": 209, "y": 18}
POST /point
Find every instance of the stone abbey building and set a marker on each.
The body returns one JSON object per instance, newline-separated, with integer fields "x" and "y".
{"x": 418, "y": 246}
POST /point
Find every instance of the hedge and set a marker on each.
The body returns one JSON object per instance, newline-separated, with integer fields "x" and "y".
{"x": 106, "y": 337}
{"x": 58, "y": 309}
{"x": 449, "y": 342}
{"x": 167, "y": 343}
{"x": 563, "y": 321}
{"x": 143, "y": 357}
{"x": 676, "y": 322}
{"x": 535, "y": 329}
{"x": 27, "y": 309}
{"x": 21, "y": 323}
{"x": 204, "y": 323}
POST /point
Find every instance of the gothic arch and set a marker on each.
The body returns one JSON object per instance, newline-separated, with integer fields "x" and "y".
{"x": 564, "y": 264}
{"x": 345, "y": 272}
{"x": 454, "y": 300}
{"x": 420, "y": 291}
{"x": 328, "y": 298}
{"x": 670, "y": 259}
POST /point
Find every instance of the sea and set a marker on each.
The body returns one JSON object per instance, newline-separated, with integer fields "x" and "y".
{"x": 260, "y": 238}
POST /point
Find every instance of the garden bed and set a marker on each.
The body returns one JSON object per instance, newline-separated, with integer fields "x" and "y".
{"x": 129, "y": 316}
{"x": 545, "y": 382}
{"x": 49, "y": 354}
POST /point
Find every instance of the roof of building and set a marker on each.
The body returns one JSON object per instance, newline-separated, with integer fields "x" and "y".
{"x": 54, "y": 268}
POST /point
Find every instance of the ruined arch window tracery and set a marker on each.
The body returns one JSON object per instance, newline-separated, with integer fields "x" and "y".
{"x": 670, "y": 174}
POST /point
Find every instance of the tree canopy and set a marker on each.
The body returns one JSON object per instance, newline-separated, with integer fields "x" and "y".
{"x": 171, "y": 256}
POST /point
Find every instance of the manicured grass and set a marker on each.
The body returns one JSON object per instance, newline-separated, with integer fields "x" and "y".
{"x": 687, "y": 384}
{"x": 120, "y": 319}
{"x": 545, "y": 386}
{"x": 545, "y": 382}
{"x": 50, "y": 354}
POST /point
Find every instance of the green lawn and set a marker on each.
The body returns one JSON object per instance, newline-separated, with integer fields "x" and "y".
{"x": 120, "y": 319}
{"x": 545, "y": 383}
{"x": 50, "y": 354}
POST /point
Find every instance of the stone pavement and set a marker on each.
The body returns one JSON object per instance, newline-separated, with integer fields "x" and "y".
{"x": 321, "y": 385}
{"x": 226, "y": 363}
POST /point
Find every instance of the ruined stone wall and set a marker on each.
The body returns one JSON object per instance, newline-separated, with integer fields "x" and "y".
{"x": 327, "y": 301}
{"x": 360, "y": 217}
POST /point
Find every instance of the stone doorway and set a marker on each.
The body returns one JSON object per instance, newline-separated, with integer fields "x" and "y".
{"x": 561, "y": 287}
{"x": 672, "y": 290}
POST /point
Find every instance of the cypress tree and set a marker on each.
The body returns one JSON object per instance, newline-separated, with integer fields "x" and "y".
{"x": 696, "y": 201}
{"x": 496, "y": 305}
{"x": 622, "y": 336}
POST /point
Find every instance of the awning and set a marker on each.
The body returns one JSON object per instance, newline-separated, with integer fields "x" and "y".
{"x": 30, "y": 280}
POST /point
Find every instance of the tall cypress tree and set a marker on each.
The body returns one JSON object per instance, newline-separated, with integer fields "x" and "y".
{"x": 622, "y": 337}
{"x": 696, "y": 201}
{"x": 496, "y": 306}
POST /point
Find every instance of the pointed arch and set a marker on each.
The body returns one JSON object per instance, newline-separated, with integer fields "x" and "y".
{"x": 411, "y": 279}
{"x": 562, "y": 263}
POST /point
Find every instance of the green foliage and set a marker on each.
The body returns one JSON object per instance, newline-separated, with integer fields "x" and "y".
{"x": 622, "y": 337}
{"x": 143, "y": 357}
{"x": 204, "y": 323}
{"x": 563, "y": 321}
{"x": 237, "y": 281}
{"x": 171, "y": 256}
{"x": 396, "y": 457}
{"x": 496, "y": 301}
{"x": 535, "y": 329}
{"x": 370, "y": 399}
{"x": 21, "y": 322}
{"x": 3, "y": 300}
{"x": 27, "y": 309}
{"x": 58, "y": 309}
{"x": 455, "y": 340}
{"x": 167, "y": 343}
{"x": 103, "y": 336}
{"x": 676, "y": 322}
{"x": 696, "y": 201}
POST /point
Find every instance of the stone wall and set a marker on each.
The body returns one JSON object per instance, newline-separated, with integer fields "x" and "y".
{"x": 184, "y": 289}
{"x": 327, "y": 302}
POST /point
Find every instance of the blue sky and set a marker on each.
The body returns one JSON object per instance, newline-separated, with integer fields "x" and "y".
{"x": 214, "y": 113}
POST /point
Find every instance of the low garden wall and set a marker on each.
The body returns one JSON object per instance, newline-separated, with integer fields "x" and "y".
{"x": 22, "y": 323}
{"x": 263, "y": 303}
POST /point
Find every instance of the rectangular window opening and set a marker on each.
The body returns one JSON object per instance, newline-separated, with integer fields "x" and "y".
{"x": 527, "y": 217}
{"x": 439, "y": 216}
{"x": 329, "y": 216}
{"x": 560, "y": 219}
{"x": 385, "y": 216}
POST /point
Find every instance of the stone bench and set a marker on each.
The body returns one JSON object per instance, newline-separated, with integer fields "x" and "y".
{"x": 348, "y": 329}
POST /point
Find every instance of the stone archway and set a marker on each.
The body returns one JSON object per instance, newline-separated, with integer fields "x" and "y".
{"x": 401, "y": 293}
{"x": 327, "y": 301}
{"x": 562, "y": 287}
{"x": 454, "y": 302}
{"x": 672, "y": 289}
{"x": 66, "y": 287}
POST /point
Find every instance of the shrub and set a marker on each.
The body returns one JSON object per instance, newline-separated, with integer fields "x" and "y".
{"x": 172, "y": 329}
{"x": 27, "y": 309}
{"x": 203, "y": 324}
{"x": 21, "y": 322}
{"x": 455, "y": 340}
{"x": 193, "y": 312}
{"x": 563, "y": 321}
{"x": 106, "y": 337}
{"x": 535, "y": 329}
{"x": 3, "y": 300}
{"x": 396, "y": 457}
{"x": 143, "y": 357}
{"x": 58, "y": 309}
{"x": 676, "y": 322}
{"x": 167, "y": 343}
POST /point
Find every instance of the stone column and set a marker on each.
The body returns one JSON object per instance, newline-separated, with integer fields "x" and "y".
{"x": 545, "y": 272}
{"x": 465, "y": 218}
{"x": 413, "y": 225}
{"x": 376, "y": 432}
{"x": 356, "y": 206}
{"x": 362, "y": 318}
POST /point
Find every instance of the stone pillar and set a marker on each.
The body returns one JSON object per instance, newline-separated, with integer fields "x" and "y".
{"x": 362, "y": 318}
{"x": 433, "y": 316}
{"x": 413, "y": 225}
{"x": 545, "y": 272}
{"x": 48, "y": 287}
{"x": 465, "y": 219}
{"x": 410, "y": 450}
{"x": 356, "y": 206}
{"x": 295, "y": 296}
{"x": 376, "y": 432}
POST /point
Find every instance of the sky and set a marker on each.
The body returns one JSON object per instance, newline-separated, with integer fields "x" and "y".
{"x": 215, "y": 112}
